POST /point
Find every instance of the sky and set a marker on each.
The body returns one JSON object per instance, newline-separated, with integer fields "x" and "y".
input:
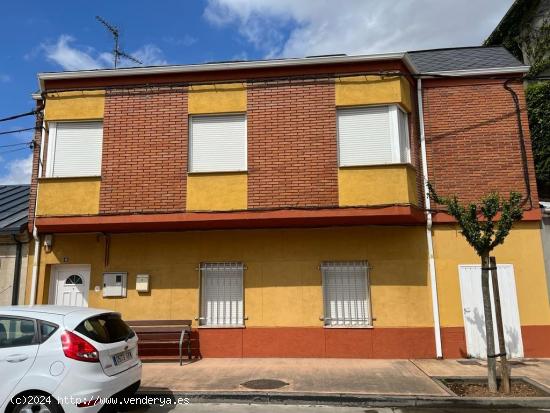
{"x": 66, "y": 36}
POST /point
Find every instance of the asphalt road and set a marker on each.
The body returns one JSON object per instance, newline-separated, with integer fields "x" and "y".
{"x": 274, "y": 408}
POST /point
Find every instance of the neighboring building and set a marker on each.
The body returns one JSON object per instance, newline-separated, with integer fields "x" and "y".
{"x": 545, "y": 209}
{"x": 14, "y": 243}
{"x": 280, "y": 204}
{"x": 524, "y": 31}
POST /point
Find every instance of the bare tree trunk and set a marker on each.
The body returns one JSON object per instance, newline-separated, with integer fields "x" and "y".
{"x": 504, "y": 371}
{"x": 489, "y": 333}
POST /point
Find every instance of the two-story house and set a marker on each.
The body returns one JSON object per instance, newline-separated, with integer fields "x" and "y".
{"x": 281, "y": 204}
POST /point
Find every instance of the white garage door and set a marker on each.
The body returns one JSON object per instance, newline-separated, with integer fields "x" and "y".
{"x": 474, "y": 319}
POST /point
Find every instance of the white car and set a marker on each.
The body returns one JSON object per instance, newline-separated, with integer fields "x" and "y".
{"x": 65, "y": 359}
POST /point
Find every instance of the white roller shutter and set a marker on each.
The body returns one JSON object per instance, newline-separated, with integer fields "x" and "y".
{"x": 217, "y": 143}
{"x": 75, "y": 149}
{"x": 222, "y": 294}
{"x": 346, "y": 294}
{"x": 371, "y": 136}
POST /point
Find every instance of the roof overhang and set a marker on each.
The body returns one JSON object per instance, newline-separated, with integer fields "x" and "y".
{"x": 297, "y": 218}
{"x": 479, "y": 72}
{"x": 222, "y": 66}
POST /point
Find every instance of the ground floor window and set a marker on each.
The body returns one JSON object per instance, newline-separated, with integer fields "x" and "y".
{"x": 221, "y": 294}
{"x": 346, "y": 294}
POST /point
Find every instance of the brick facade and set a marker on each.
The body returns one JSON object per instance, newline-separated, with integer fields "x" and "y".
{"x": 472, "y": 138}
{"x": 471, "y": 131}
{"x": 144, "y": 151}
{"x": 292, "y": 147}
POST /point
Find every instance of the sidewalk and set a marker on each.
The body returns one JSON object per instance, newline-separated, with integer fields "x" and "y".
{"x": 325, "y": 376}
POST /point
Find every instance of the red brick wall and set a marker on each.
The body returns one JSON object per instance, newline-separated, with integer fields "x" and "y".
{"x": 472, "y": 138}
{"x": 292, "y": 147}
{"x": 144, "y": 151}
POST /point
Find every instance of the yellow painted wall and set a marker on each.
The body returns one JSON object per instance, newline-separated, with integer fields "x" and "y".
{"x": 377, "y": 185}
{"x": 282, "y": 281}
{"x": 75, "y": 105}
{"x": 68, "y": 196}
{"x": 373, "y": 90}
{"x": 217, "y": 98}
{"x": 522, "y": 248}
{"x": 217, "y": 191}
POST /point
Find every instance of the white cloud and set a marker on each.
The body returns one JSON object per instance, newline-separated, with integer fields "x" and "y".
{"x": 66, "y": 54}
{"x": 69, "y": 57}
{"x": 149, "y": 55}
{"x": 309, "y": 27}
{"x": 18, "y": 172}
{"x": 5, "y": 78}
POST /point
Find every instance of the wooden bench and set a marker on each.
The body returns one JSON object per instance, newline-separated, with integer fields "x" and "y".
{"x": 165, "y": 340}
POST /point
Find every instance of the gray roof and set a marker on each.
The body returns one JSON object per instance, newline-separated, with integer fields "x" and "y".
{"x": 14, "y": 207}
{"x": 462, "y": 58}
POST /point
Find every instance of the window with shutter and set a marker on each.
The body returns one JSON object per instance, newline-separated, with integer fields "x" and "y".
{"x": 74, "y": 149}
{"x": 373, "y": 135}
{"x": 217, "y": 143}
{"x": 221, "y": 294}
{"x": 346, "y": 294}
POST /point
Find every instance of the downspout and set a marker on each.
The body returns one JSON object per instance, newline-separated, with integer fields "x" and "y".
{"x": 429, "y": 238}
{"x": 16, "y": 272}
{"x": 36, "y": 237}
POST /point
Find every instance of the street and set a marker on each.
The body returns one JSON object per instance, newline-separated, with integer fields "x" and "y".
{"x": 275, "y": 408}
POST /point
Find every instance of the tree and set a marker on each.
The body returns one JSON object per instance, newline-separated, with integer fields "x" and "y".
{"x": 538, "y": 106}
{"x": 484, "y": 227}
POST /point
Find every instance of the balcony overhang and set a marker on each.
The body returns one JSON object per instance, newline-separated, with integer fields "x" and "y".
{"x": 286, "y": 218}
{"x": 529, "y": 215}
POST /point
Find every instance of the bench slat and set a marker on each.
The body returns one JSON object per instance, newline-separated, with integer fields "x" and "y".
{"x": 155, "y": 323}
{"x": 146, "y": 330}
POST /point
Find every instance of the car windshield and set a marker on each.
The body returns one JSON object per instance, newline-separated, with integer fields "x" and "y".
{"x": 105, "y": 328}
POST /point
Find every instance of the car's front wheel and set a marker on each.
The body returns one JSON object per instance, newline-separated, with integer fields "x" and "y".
{"x": 36, "y": 403}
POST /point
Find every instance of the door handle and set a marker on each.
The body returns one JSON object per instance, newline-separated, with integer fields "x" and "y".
{"x": 16, "y": 358}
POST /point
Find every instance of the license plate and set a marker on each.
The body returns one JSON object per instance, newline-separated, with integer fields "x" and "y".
{"x": 123, "y": 357}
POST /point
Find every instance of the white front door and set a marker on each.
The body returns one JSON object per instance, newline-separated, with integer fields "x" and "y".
{"x": 474, "y": 318}
{"x": 70, "y": 285}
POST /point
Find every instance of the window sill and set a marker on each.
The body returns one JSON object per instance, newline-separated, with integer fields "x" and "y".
{"x": 197, "y": 173}
{"x": 350, "y": 327}
{"x": 219, "y": 327}
{"x": 378, "y": 165}
{"x": 61, "y": 178}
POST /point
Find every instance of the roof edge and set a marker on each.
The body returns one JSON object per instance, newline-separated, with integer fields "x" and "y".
{"x": 151, "y": 70}
{"x": 479, "y": 72}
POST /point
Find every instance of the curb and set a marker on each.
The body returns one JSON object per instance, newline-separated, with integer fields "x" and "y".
{"x": 347, "y": 399}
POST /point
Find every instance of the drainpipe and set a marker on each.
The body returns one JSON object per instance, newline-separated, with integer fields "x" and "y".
{"x": 429, "y": 238}
{"x": 16, "y": 272}
{"x": 36, "y": 237}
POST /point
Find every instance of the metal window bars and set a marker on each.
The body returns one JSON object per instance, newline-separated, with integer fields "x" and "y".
{"x": 222, "y": 294}
{"x": 346, "y": 293}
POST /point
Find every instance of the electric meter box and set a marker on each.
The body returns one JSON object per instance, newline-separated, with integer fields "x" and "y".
{"x": 114, "y": 284}
{"x": 142, "y": 283}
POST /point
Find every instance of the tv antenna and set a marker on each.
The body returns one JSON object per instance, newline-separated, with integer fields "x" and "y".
{"x": 117, "y": 53}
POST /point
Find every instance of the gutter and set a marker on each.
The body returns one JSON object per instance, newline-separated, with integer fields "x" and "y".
{"x": 209, "y": 67}
{"x": 479, "y": 72}
{"x": 429, "y": 221}
{"x": 16, "y": 272}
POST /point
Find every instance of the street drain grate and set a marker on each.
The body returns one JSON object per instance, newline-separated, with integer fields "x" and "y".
{"x": 264, "y": 384}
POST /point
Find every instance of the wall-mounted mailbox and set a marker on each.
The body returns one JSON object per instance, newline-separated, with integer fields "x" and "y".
{"x": 142, "y": 283}
{"x": 114, "y": 284}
